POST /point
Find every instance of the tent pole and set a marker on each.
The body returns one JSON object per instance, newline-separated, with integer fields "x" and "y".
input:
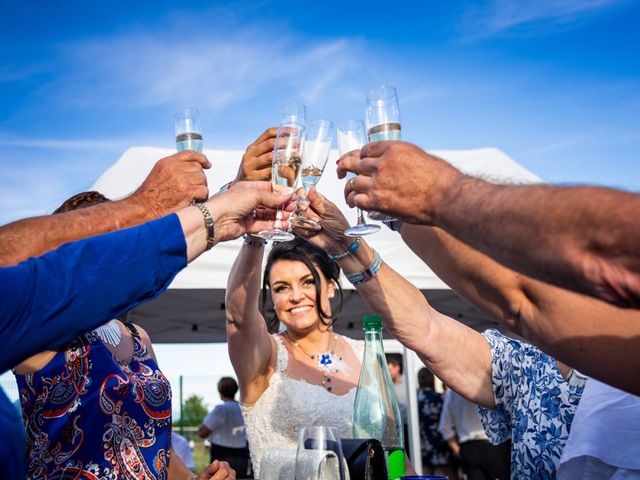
{"x": 181, "y": 410}
{"x": 412, "y": 406}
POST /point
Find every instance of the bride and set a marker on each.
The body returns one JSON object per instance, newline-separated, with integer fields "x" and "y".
{"x": 293, "y": 370}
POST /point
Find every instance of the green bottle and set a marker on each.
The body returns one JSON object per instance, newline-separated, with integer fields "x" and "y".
{"x": 375, "y": 411}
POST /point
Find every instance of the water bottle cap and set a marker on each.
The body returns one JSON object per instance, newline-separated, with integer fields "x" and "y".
{"x": 372, "y": 322}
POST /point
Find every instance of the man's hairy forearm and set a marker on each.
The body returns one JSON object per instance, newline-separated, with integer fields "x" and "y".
{"x": 33, "y": 237}
{"x": 580, "y": 238}
{"x": 593, "y": 336}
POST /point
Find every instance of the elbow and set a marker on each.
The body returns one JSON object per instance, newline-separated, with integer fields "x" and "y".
{"x": 516, "y": 310}
{"x": 611, "y": 281}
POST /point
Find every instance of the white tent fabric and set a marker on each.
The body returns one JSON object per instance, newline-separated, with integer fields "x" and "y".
{"x": 210, "y": 270}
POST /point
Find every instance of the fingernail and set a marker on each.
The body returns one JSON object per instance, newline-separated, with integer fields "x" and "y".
{"x": 287, "y": 191}
{"x": 338, "y": 162}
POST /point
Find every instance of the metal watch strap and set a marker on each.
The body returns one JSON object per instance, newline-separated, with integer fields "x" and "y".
{"x": 208, "y": 223}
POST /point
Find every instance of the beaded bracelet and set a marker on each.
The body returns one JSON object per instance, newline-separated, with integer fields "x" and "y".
{"x": 368, "y": 273}
{"x": 352, "y": 248}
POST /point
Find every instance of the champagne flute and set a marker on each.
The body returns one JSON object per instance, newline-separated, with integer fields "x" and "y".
{"x": 351, "y": 136}
{"x": 294, "y": 113}
{"x": 318, "y": 440}
{"x": 383, "y": 123}
{"x": 188, "y": 131}
{"x": 383, "y": 114}
{"x": 316, "y": 154}
{"x": 287, "y": 159}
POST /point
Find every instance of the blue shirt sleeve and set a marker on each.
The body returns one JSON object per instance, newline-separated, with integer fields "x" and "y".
{"x": 504, "y": 372}
{"x": 49, "y": 300}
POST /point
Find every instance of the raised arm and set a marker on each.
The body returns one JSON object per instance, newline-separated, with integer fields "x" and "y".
{"x": 592, "y": 336}
{"x": 580, "y": 238}
{"x": 173, "y": 183}
{"x": 45, "y": 300}
{"x": 251, "y": 348}
{"x": 454, "y": 352}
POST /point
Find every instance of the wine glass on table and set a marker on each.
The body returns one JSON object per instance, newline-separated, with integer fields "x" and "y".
{"x": 188, "y": 131}
{"x": 320, "y": 442}
{"x": 285, "y": 167}
{"x": 316, "y": 154}
{"x": 383, "y": 123}
{"x": 294, "y": 113}
{"x": 351, "y": 136}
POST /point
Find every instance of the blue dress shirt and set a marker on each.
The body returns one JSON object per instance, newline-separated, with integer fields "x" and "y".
{"x": 50, "y": 300}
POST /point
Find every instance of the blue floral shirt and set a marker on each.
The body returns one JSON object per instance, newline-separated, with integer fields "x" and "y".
{"x": 535, "y": 406}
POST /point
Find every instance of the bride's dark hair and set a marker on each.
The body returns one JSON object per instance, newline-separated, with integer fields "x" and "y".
{"x": 313, "y": 257}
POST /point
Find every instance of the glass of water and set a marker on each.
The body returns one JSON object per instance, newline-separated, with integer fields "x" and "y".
{"x": 322, "y": 443}
{"x": 287, "y": 160}
{"x": 188, "y": 131}
{"x": 351, "y": 136}
{"x": 316, "y": 154}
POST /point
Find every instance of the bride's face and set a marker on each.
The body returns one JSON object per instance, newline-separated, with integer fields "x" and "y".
{"x": 293, "y": 292}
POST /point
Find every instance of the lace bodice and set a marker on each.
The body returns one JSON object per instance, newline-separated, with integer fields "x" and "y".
{"x": 289, "y": 403}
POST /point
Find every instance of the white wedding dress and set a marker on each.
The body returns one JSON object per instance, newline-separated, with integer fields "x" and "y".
{"x": 289, "y": 403}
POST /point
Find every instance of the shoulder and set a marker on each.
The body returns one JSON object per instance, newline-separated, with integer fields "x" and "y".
{"x": 356, "y": 345}
{"x": 508, "y": 351}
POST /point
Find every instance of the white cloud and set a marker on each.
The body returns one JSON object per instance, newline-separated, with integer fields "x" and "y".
{"x": 145, "y": 70}
{"x": 499, "y": 16}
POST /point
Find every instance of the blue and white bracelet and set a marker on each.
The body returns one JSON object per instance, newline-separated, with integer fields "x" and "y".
{"x": 368, "y": 273}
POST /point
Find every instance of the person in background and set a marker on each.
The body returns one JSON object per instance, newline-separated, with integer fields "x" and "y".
{"x": 224, "y": 428}
{"x": 461, "y": 427}
{"x": 396, "y": 370}
{"x": 181, "y": 447}
{"x": 436, "y": 454}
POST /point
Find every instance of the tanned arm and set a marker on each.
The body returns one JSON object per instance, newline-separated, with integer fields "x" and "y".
{"x": 580, "y": 238}
{"x": 173, "y": 183}
{"x": 590, "y": 335}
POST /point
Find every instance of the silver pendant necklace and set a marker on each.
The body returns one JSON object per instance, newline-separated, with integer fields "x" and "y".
{"x": 110, "y": 333}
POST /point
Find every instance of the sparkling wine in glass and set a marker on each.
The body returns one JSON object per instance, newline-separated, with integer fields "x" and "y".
{"x": 294, "y": 113}
{"x": 316, "y": 154}
{"x": 287, "y": 160}
{"x": 351, "y": 136}
{"x": 188, "y": 131}
{"x": 383, "y": 123}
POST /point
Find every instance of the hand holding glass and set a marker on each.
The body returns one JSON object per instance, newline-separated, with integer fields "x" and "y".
{"x": 351, "y": 136}
{"x": 287, "y": 159}
{"x": 188, "y": 131}
{"x": 316, "y": 154}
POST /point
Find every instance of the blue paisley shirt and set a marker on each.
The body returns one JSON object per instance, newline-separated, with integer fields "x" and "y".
{"x": 535, "y": 406}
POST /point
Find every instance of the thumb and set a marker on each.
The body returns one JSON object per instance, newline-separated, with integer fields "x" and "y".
{"x": 316, "y": 200}
{"x": 273, "y": 199}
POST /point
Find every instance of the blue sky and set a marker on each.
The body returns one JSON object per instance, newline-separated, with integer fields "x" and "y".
{"x": 555, "y": 84}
